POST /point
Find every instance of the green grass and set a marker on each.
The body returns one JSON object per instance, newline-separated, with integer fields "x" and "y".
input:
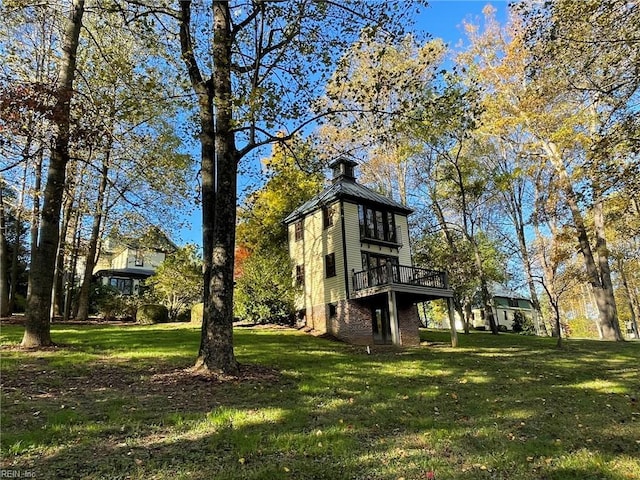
{"x": 117, "y": 402}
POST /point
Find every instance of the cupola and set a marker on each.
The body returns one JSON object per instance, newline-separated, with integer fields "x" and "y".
{"x": 343, "y": 169}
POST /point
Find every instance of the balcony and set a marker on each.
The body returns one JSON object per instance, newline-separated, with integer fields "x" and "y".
{"x": 421, "y": 282}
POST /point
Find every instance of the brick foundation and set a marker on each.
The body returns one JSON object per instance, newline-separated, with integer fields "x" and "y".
{"x": 408, "y": 323}
{"x": 352, "y": 322}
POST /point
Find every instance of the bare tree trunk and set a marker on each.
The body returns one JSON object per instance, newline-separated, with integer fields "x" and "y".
{"x": 219, "y": 170}
{"x": 35, "y": 210}
{"x": 70, "y": 273}
{"x": 43, "y": 257}
{"x": 5, "y": 310}
{"x": 452, "y": 322}
{"x": 92, "y": 257}
{"x": 468, "y": 314}
{"x": 484, "y": 289}
{"x": 630, "y": 297}
{"x": 602, "y": 293}
{"x": 57, "y": 290}
{"x": 558, "y": 325}
{"x": 603, "y": 266}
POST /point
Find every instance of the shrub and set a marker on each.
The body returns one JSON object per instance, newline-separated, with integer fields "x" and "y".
{"x": 522, "y": 324}
{"x": 265, "y": 292}
{"x": 151, "y": 314}
{"x": 106, "y": 301}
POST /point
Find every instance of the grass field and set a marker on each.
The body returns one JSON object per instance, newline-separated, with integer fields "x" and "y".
{"x": 118, "y": 402}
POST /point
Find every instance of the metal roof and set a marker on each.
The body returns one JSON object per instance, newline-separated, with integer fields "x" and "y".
{"x": 125, "y": 272}
{"x": 347, "y": 189}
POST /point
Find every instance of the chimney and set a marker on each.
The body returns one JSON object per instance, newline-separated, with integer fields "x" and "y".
{"x": 343, "y": 170}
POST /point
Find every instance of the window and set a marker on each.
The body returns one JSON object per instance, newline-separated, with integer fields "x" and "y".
{"x": 327, "y": 216}
{"x": 373, "y": 260}
{"x": 139, "y": 260}
{"x": 377, "y": 224}
{"x": 124, "y": 285}
{"x": 381, "y": 269}
{"x": 332, "y": 310}
{"x": 299, "y": 230}
{"x": 330, "y": 265}
{"x": 299, "y": 274}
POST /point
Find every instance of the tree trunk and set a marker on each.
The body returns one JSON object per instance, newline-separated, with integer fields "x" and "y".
{"x": 5, "y": 310}
{"x": 603, "y": 294}
{"x": 484, "y": 289}
{"x": 43, "y": 257}
{"x": 452, "y": 322}
{"x": 92, "y": 257}
{"x": 603, "y": 265}
{"x": 630, "y": 297}
{"x": 219, "y": 170}
{"x": 558, "y": 325}
{"x": 70, "y": 273}
{"x": 526, "y": 261}
{"x": 35, "y": 209}
{"x": 468, "y": 314}
{"x": 57, "y": 292}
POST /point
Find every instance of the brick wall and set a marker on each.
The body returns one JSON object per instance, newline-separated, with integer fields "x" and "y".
{"x": 356, "y": 327}
{"x": 409, "y": 322}
{"x": 318, "y": 318}
{"x": 352, "y": 322}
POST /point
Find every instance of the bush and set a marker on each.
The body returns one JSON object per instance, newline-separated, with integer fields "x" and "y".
{"x": 522, "y": 324}
{"x": 196, "y": 314}
{"x": 151, "y": 314}
{"x": 106, "y": 301}
{"x": 265, "y": 292}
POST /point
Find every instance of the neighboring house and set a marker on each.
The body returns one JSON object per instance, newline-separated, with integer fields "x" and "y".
{"x": 352, "y": 259}
{"x": 125, "y": 265}
{"x": 504, "y": 308}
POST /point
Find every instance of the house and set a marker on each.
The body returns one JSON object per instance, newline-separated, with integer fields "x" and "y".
{"x": 352, "y": 260}
{"x": 125, "y": 264}
{"x": 505, "y": 309}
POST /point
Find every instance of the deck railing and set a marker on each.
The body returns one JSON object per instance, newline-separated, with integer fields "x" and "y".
{"x": 398, "y": 274}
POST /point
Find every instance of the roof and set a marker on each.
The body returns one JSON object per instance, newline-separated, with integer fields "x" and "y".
{"x": 346, "y": 189}
{"x": 125, "y": 272}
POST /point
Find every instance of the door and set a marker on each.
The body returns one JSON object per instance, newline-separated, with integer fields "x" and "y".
{"x": 380, "y": 323}
{"x": 381, "y": 269}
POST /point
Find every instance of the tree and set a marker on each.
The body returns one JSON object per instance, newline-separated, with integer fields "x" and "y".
{"x": 37, "y": 326}
{"x": 554, "y": 254}
{"x": 177, "y": 283}
{"x": 130, "y": 139}
{"x": 269, "y": 61}
{"x": 586, "y": 53}
{"x": 265, "y": 288}
{"x": 375, "y": 90}
{"x": 495, "y": 63}
{"x": 28, "y": 39}
{"x": 458, "y": 190}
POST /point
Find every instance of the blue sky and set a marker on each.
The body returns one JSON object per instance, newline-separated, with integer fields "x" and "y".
{"x": 441, "y": 19}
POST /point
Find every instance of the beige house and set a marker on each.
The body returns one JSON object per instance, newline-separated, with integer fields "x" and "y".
{"x": 352, "y": 259}
{"x": 125, "y": 266}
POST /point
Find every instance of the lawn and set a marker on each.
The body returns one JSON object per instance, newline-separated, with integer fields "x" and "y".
{"x": 118, "y": 402}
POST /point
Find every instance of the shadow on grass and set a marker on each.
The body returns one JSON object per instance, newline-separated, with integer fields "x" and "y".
{"x": 494, "y": 408}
